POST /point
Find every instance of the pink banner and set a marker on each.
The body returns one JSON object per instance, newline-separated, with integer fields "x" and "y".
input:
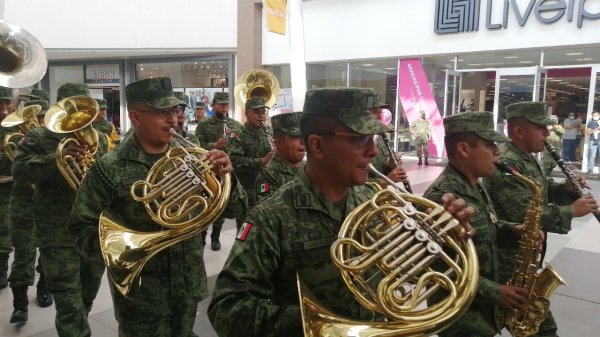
{"x": 415, "y": 94}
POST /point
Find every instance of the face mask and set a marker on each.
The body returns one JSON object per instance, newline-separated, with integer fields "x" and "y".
{"x": 595, "y": 118}
{"x": 571, "y": 117}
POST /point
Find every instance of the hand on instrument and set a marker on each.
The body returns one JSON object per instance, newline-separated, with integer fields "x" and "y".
{"x": 392, "y": 163}
{"x": 584, "y": 206}
{"x": 512, "y": 297}
{"x": 397, "y": 175}
{"x": 519, "y": 229}
{"x": 266, "y": 159}
{"x": 219, "y": 144}
{"x": 221, "y": 162}
{"x": 76, "y": 151}
{"x": 463, "y": 213}
{"x": 571, "y": 188}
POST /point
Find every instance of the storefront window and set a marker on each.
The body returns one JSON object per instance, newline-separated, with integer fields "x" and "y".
{"x": 282, "y": 74}
{"x": 504, "y": 59}
{"x": 571, "y": 56}
{"x": 379, "y": 75}
{"x": 326, "y": 75}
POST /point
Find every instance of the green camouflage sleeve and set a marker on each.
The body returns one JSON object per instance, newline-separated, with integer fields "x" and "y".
{"x": 244, "y": 288}
{"x": 94, "y": 196}
{"x": 240, "y": 162}
{"x": 554, "y": 218}
{"x": 558, "y": 194}
{"x": 238, "y": 201}
{"x": 30, "y": 164}
{"x": 266, "y": 183}
{"x": 5, "y": 165}
{"x": 203, "y": 136}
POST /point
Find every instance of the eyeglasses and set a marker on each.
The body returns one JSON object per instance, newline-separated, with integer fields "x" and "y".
{"x": 357, "y": 139}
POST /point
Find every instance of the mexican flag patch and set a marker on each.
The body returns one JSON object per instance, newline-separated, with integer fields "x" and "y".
{"x": 243, "y": 233}
{"x": 264, "y": 187}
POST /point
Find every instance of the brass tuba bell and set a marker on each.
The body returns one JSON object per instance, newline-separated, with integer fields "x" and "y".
{"x": 256, "y": 83}
{"x": 26, "y": 119}
{"x": 73, "y": 116}
{"x": 180, "y": 193}
{"x": 22, "y": 58}
{"x": 393, "y": 258}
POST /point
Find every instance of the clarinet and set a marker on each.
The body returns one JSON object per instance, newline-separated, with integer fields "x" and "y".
{"x": 569, "y": 175}
{"x": 386, "y": 141}
{"x": 269, "y": 138}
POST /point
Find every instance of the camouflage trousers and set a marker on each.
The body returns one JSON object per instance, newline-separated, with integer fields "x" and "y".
{"x": 22, "y": 270}
{"x": 252, "y": 201}
{"x": 423, "y": 144}
{"x": 217, "y": 225}
{"x": 548, "y": 327}
{"x": 73, "y": 283}
{"x": 5, "y": 241}
{"x": 157, "y": 310}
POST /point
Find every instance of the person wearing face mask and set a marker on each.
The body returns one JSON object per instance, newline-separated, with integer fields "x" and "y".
{"x": 570, "y": 138}
{"x": 593, "y": 131}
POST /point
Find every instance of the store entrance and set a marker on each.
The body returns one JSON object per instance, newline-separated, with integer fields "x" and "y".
{"x": 469, "y": 91}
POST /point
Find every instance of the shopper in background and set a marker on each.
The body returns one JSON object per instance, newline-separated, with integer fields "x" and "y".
{"x": 570, "y": 137}
{"x": 593, "y": 131}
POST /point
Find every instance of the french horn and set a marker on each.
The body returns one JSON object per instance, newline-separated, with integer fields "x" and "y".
{"x": 393, "y": 258}
{"x": 256, "y": 83}
{"x": 73, "y": 116}
{"x": 26, "y": 119}
{"x": 182, "y": 194}
{"x": 22, "y": 58}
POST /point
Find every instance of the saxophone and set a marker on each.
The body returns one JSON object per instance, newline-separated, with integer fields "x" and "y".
{"x": 539, "y": 285}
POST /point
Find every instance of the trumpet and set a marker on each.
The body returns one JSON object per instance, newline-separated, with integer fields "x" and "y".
{"x": 386, "y": 141}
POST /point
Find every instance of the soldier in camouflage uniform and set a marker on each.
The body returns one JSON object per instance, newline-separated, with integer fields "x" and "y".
{"x": 251, "y": 150}
{"x": 527, "y": 129}
{"x": 72, "y": 282}
{"x": 472, "y": 153}
{"x": 22, "y": 271}
{"x": 215, "y": 133}
{"x": 555, "y": 139}
{"x": 288, "y": 159}
{"x": 384, "y": 162}
{"x": 421, "y": 130}
{"x": 7, "y": 106}
{"x": 104, "y": 126}
{"x": 200, "y": 112}
{"x": 174, "y": 280}
{"x": 181, "y": 129}
{"x": 291, "y": 231}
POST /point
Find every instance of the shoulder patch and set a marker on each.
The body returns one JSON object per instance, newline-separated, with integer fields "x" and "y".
{"x": 302, "y": 200}
{"x": 263, "y": 187}
{"x": 244, "y": 230}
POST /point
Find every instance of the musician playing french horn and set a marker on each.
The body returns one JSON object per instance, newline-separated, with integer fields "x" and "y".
{"x": 251, "y": 150}
{"x": 174, "y": 280}
{"x": 214, "y": 133}
{"x": 472, "y": 153}
{"x": 291, "y": 232}
{"x": 527, "y": 129}
{"x": 73, "y": 282}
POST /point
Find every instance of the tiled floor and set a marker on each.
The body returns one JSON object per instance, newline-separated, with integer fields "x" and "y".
{"x": 576, "y": 307}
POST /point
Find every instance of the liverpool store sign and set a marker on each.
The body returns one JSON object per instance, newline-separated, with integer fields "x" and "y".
{"x": 454, "y": 16}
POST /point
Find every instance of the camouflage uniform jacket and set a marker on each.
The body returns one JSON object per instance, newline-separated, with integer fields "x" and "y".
{"x": 290, "y": 232}
{"x": 273, "y": 176}
{"x": 107, "y": 186}
{"x": 380, "y": 161}
{"x": 211, "y": 129}
{"x": 246, "y": 152}
{"x": 511, "y": 199}
{"x": 106, "y": 128}
{"x": 5, "y": 166}
{"x": 190, "y": 136}
{"x": 483, "y": 317}
{"x": 35, "y": 163}
{"x": 421, "y": 128}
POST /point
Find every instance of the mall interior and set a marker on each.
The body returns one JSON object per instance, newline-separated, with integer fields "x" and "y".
{"x": 510, "y": 51}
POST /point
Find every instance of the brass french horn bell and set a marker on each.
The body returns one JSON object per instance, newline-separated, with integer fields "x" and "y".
{"x": 256, "y": 83}
{"x": 26, "y": 119}
{"x": 22, "y": 58}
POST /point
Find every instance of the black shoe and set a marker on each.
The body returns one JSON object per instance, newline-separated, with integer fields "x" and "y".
{"x": 44, "y": 299}
{"x": 19, "y": 316}
{"x": 3, "y": 280}
{"x": 426, "y": 162}
{"x": 420, "y": 162}
{"x": 215, "y": 245}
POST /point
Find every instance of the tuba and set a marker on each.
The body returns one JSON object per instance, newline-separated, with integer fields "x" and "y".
{"x": 22, "y": 58}
{"x": 73, "y": 116}
{"x": 26, "y": 119}
{"x": 539, "y": 285}
{"x": 182, "y": 194}
{"x": 256, "y": 83}
{"x": 411, "y": 254}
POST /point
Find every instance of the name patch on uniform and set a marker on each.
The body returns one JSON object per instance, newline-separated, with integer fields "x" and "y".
{"x": 243, "y": 233}
{"x": 324, "y": 242}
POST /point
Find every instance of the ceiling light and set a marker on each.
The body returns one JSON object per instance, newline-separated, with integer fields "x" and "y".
{"x": 390, "y": 68}
{"x": 474, "y": 64}
{"x": 141, "y": 69}
{"x": 367, "y": 64}
{"x": 525, "y": 62}
{"x": 511, "y": 57}
{"x": 554, "y": 80}
{"x": 573, "y": 54}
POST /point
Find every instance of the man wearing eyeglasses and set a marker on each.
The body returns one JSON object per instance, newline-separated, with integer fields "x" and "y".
{"x": 251, "y": 150}
{"x": 174, "y": 280}
{"x": 291, "y": 232}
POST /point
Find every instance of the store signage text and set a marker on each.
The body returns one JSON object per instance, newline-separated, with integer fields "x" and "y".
{"x": 453, "y": 16}
{"x": 102, "y": 73}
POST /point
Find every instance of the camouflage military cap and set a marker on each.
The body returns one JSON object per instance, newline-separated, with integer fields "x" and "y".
{"x": 289, "y": 123}
{"x": 379, "y": 103}
{"x": 72, "y": 89}
{"x": 535, "y": 112}
{"x": 43, "y": 103}
{"x": 156, "y": 92}
{"x": 7, "y": 93}
{"x": 255, "y": 103}
{"x": 221, "y": 97}
{"x": 480, "y": 123}
{"x": 39, "y": 94}
{"x": 199, "y": 105}
{"x": 351, "y": 106}
{"x": 179, "y": 96}
{"x": 102, "y": 103}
